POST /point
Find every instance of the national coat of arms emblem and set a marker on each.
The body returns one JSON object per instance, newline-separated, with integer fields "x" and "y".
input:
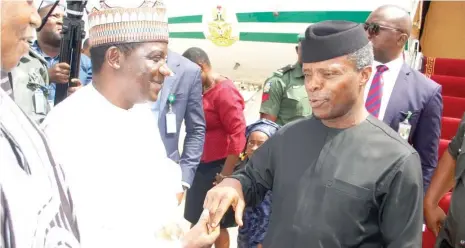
{"x": 221, "y": 27}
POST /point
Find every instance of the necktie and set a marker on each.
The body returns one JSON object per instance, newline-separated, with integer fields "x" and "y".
{"x": 373, "y": 102}
{"x": 5, "y": 83}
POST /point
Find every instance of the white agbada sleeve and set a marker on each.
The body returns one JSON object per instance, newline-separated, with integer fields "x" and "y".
{"x": 117, "y": 163}
{"x": 171, "y": 169}
{"x": 171, "y": 179}
{"x": 55, "y": 138}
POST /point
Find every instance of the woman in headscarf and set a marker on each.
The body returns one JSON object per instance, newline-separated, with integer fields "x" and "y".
{"x": 256, "y": 219}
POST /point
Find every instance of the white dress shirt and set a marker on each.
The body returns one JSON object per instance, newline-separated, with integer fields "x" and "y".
{"x": 155, "y": 107}
{"x": 123, "y": 184}
{"x": 388, "y": 80}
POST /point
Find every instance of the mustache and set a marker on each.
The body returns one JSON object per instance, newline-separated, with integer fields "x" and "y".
{"x": 318, "y": 96}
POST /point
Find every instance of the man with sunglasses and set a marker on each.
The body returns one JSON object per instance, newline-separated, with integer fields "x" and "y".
{"x": 402, "y": 97}
{"x": 284, "y": 97}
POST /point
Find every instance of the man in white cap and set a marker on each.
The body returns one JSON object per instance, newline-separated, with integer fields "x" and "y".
{"x": 124, "y": 184}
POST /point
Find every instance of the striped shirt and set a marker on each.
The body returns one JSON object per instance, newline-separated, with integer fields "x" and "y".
{"x": 5, "y": 83}
{"x": 36, "y": 209}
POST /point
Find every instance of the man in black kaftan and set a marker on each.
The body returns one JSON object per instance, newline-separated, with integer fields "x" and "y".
{"x": 340, "y": 178}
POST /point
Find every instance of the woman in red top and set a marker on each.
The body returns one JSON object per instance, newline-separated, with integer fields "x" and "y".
{"x": 224, "y": 140}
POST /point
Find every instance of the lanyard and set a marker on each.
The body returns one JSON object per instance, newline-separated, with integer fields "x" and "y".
{"x": 171, "y": 99}
{"x": 409, "y": 115}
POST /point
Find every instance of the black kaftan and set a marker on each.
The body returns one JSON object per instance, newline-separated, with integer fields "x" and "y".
{"x": 356, "y": 187}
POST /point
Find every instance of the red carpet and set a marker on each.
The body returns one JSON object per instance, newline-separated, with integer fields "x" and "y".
{"x": 453, "y": 106}
{"x": 450, "y": 73}
{"x": 443, "y": 66}
{"x": 449, "y": 127}
{"x": 451, "y": 86}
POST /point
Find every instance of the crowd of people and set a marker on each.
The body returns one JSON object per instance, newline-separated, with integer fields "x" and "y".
{"x": 343, "y": 154}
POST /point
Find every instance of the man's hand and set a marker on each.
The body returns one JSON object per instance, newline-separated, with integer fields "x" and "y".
{"x": 73, "y": 89}
{"x": 59, "y": 73}
{"x": 180, "y": 196}
{"x": 434, "y": 217}
{"x": 218, "y": 178}
{"x": 200, "y": 235}
{"x": 221, "y": 197}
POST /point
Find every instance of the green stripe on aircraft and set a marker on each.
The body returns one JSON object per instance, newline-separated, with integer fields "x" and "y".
{"x": 284, "y": 17}
{"x": 270, "y": 17}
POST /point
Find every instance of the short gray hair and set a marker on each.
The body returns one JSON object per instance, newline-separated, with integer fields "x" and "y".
{"x": 363, "y": 57}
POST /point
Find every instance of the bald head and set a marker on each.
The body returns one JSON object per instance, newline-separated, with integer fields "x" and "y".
{"x": 394, "y": 15}
{"x": 390, "y": 30}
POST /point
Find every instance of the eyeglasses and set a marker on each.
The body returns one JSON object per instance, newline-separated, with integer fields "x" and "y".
{"x": 374, "y": 28}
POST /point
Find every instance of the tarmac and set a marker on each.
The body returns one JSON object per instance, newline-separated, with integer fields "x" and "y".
{"x": 252, "y": 97}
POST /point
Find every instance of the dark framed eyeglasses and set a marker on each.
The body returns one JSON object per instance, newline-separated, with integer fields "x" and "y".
{"x": 374, "y": 28}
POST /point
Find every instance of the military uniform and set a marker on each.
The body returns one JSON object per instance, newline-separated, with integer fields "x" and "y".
{"x": 453, "y": 232}
{"x": 30, "y": 84}
{"x": 284, "y": 95}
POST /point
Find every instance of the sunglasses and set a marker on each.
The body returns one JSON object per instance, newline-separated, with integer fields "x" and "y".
{"x": 374, "y": 28}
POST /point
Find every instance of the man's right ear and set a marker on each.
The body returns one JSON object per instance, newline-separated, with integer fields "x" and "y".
{"x": 365, "y": 75}
{"x": 114, "y": 57}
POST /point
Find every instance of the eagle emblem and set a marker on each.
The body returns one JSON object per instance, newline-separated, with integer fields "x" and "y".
{"x": 220, "y": 30}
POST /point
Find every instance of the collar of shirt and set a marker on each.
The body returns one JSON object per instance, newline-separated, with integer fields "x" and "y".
{"x": 155, "y": 106}
{"x": 102, "y": 101}
{"x": 50, "y": 60}
{"x": 394, "y": 66}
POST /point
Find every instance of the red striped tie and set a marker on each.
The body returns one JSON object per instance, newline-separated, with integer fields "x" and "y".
{"x": 373, "y": 102}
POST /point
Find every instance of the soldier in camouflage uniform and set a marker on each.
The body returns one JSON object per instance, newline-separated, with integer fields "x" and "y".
{"x": 284, "y": 97}
{"x": 30, "y": 84}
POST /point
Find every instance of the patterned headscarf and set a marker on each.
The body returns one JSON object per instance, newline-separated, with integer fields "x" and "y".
{"x": 263, "y": 125}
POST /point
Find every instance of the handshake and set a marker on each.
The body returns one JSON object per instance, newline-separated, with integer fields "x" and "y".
{"x": 206, "y": 231}
{"x": 200, "y": 236}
